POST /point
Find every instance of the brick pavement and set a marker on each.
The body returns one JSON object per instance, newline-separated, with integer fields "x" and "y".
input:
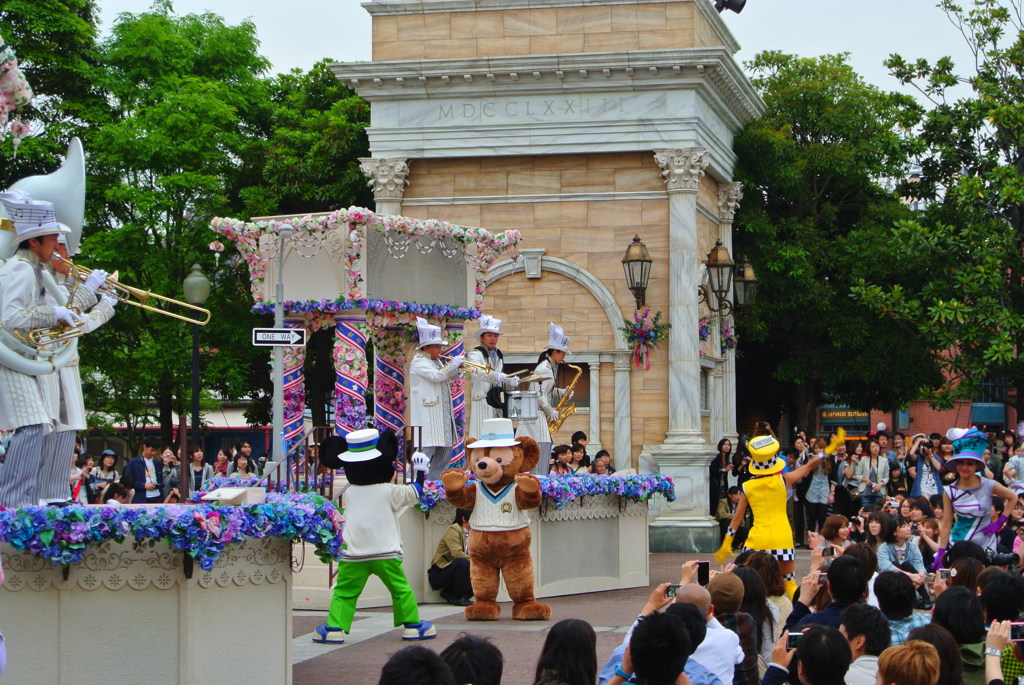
{"x": 373, "y": 641}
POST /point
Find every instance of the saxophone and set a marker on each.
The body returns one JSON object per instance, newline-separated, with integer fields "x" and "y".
{"x": 564, "y": 409}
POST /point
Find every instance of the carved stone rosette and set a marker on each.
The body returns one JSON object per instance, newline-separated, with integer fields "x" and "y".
{"x": 729, "y": 196}
{"x": 682, "y": 169}
{"x": 388, "y": 177}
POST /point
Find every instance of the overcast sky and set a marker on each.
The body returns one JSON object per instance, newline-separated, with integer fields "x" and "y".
{"x": 296, "y": 33}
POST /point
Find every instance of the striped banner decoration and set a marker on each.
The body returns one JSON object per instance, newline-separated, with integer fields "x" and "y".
{"x": 294, "y": 388}
{"x": 349, "y": 374}
{"x": 458, "y": 458}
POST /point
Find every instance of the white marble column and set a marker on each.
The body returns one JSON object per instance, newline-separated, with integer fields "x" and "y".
{"x": 683, "y": 525}
{"x": 388, "y": 178}
{"x": 729, "y": 196}
{"x": 682, "y": 170}
{"x": 623, "y": 426}
{"x": 594, "y": 433}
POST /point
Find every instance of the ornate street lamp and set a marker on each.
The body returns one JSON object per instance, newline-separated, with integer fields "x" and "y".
{"x": 637, "y": 265}
{"x": 197, "y": 290}
{"x": 720, "y": 269}
{"x": 745, "y": 284}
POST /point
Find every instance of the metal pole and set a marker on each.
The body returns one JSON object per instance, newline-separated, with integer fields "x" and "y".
{"x": 186, "y": 466}
{"x": 278, "y": 444}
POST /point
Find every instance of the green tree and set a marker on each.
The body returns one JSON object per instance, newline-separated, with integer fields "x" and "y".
{"x": 186, "y": 96}
{"x": 968, "y": 240}
{"x": 811, "y": 219}
{"x": 56, "y": 45}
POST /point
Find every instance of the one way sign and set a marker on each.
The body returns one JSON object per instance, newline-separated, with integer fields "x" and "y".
{"x": 287, "y": 337}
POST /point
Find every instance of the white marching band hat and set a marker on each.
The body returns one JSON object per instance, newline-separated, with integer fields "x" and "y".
{"x": 487, "y": 324}
{"x": 429, "y": 333}
{"x": 32, "y": 218}
{"x": 557, "y": 339}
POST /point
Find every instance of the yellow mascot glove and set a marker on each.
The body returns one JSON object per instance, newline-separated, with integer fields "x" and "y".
{"x": 836, "y": 442}
{"x": 725, "y": 551}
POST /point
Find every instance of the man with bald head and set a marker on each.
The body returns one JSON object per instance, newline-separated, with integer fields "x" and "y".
{"x": 720, "y": 652}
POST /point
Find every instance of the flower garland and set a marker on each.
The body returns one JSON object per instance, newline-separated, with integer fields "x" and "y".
{"x": 728, "y": 337}
{"x": 15, "y": 93}
{"x": 246, "y": 236}
{"x": 565, "y": 489}
{"x": 644, "y": 332}
{"x": 391, "y": 312}
{"x": 61, "y": 536}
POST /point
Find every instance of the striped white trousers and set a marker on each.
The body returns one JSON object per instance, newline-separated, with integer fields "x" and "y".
{"x": 19, "y": 478}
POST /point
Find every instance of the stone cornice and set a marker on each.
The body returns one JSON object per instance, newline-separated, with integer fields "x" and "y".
{"x": 386, "y": 7}
{"x": 537, "y": 74}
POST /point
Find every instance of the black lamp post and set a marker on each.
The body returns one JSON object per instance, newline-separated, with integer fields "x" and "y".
{"x": 637, "y": 265}
{"x": 197, "y": 290}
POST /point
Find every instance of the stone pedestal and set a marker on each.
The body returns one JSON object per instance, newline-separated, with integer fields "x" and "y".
{"x": 131, "y": 615}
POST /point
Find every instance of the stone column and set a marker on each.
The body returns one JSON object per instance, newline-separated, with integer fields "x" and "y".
{"x": 623, "y": 451}
{"x": 594, "y": 432}
{"x": 350, "y": 377}
{"x": 729, "y": 196}
{"x": 453, "y": 333}
{"x": 683, "y": 525}
{"x": 388, "y": 178}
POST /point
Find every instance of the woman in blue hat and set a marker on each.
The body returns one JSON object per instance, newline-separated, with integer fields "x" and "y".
{"x": 967, "y": 502}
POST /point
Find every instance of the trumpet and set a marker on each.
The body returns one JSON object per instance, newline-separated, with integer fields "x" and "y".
{"x": 471, "y": 367}
{"x": 137, "y": 297}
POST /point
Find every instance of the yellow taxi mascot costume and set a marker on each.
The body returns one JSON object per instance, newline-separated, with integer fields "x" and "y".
{"x": 765, "y": 494}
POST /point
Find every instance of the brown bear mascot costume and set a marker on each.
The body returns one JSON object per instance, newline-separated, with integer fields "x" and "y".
{"x": 499, "y": 539}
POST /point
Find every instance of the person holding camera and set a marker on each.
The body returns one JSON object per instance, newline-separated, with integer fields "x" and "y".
{"x": 823, "y": 657}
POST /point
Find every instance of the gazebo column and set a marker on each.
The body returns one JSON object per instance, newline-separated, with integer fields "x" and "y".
{"x": 350, "y": 376}
{"x": 389, "y": 380}
{"x": 294, "y": 388}
{"x": 456, "y": 348}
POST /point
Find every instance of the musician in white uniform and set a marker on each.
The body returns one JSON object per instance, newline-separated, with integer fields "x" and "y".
{"x": 60, "y": 445}
{"x": 29, "y": 405}
{"x": 430, "y": 397}
{"x": 487, "y": 354}
{"x": 547, "y": 367}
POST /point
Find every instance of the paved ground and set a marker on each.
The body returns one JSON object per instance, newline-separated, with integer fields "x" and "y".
{"x": 373, "y": 638}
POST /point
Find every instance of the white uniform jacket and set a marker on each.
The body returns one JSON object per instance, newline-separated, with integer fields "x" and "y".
{"x": 430, "y": 397}
{"x": 25, "y": 400}
{"x": 95, "y": 313}
{"x": 538, "y": 429}
{"x": 480, "y": 383}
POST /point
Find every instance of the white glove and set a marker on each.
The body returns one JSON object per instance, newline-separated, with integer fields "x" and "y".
{"x": 501, "y": 377}
{"x": 67, "y": 316}
{"x": 552, "y": 415}
{"x": 420, "y": 462}
{"x": 513, "y": 381}
{"x": 458, "y": 361}
{"x": 109, "y": 299}
{"x": 95, "y": 280}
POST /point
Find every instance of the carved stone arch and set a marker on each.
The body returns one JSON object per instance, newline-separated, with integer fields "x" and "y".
{"x": 576, "y": 273}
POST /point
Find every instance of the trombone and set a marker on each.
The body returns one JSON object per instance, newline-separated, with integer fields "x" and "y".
{"x": 137, "y": 297}
{"x": 471, "y": 367}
